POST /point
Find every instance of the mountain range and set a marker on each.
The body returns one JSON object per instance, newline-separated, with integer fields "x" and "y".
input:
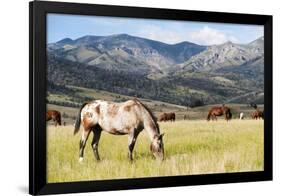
{"x": 184, "y": 73}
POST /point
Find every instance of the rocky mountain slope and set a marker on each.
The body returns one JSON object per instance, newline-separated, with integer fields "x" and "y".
{"x": 124, "y": 52}
{"x": 225, "y": 55}
{"x": 183, "y": 73}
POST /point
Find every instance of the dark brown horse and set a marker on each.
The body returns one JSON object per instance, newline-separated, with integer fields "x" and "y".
{"x": 219, "y": 111}
{"x": 257, "y": 114}
{"x": 54, "y": 115}
{"x": 167, "y": 117}
{"x": 130, "y": 117}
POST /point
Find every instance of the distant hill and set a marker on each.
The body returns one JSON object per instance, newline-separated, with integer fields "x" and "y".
{"x": 124, "y": 52}
{"x": 225, "y": 55}
{"x": 182, "y": 74}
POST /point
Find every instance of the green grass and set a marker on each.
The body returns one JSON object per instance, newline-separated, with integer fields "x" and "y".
{"x": 191, "y": 147}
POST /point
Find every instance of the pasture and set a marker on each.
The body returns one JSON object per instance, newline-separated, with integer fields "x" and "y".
{"x": 191, "y": 147}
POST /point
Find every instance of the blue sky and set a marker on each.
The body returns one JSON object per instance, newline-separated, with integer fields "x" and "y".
{"x": 61, "y": 26}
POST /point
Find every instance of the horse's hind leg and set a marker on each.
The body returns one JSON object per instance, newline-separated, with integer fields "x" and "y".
{"x": 95, "y": 142}
{"x": 82, "y": 144}
{"x": 54, "y": 120}
{"x": 56, "y": 123}
{"x": 131, "y": 142}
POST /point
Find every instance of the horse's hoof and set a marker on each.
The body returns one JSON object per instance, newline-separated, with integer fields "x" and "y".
{"x": 80, "y": 159}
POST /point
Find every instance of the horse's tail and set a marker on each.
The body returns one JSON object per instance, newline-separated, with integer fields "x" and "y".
{"x": 209, "y": 115}
{"x": 78, "y": 119}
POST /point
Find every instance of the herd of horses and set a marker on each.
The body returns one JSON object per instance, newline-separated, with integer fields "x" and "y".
{"x": 128, "y": 118}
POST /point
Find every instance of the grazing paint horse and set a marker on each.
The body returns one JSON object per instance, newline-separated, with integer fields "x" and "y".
{"x": 54, "y": 115}
{"x": 129, "y": 117}
{"x": 219, "y": 111}
{"x": 167, "y": 117}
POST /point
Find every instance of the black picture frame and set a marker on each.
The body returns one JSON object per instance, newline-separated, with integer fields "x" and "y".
{"x": 37, "y": 97}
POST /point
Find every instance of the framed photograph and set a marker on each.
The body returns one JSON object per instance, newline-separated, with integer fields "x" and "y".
{"x": 130, "y": 97}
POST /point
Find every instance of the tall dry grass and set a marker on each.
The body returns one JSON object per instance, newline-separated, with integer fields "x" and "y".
{"x": 191, "y": 147}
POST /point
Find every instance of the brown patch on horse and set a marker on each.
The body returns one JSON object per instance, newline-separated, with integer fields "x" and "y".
{"x": 87, "y": 123}
{"x": 130, "y": 105}
{"x": 112, "y": 111}
{"x": 88, "y": 114}
{"x": 127, "y": 108}
{"x": 97, "y": 108}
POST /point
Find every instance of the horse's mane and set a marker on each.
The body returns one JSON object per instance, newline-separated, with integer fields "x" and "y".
{"x": 149, "y": 111}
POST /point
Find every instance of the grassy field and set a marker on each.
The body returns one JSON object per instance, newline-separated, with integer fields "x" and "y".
{"x": 191, "y": 147}
{"x": 158, "y": 107}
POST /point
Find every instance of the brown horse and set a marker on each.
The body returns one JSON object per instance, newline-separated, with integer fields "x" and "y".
{"x": 54, "y": 115}
{"x": 167, "y": 117}
{"x": 219, "y": 111}
{"x": 257, "y": 114}
{"x": 129, "y": 117}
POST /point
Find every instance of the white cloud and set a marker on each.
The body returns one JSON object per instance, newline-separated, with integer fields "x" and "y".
{"x": 161, "y": 34}
{"x": 203, "y": 36}
{"x": 210, "y": 36}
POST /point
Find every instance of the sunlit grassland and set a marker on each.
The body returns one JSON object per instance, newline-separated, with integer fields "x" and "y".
{"x": 191, "y": 147}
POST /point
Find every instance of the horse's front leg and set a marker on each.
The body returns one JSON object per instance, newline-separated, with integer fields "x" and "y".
{"x": 82, "y": 144}
{"x": 131, "y": 143}
{"x": 95, "y": 142}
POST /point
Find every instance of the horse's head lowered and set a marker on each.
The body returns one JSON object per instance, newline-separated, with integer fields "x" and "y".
{"x": 157, "y": 146}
